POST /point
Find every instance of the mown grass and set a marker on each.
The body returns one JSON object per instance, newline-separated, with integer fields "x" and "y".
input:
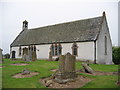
{"x": 40, "y": 66}
{"x": 43, "y": 67}
{"x": 102, "y": 82}
{"x": 0, "y": 78}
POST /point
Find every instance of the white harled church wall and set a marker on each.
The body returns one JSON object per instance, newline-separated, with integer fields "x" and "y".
{"x": 16, "y": 49}
{"x": 85, "y": 50}
{"x": 43, "y": 51}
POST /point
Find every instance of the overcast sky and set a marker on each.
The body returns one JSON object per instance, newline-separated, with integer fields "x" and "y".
{"x": 49, "y": 12}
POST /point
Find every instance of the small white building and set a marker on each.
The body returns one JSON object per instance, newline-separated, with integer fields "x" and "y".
{"x": 87, "y": 39}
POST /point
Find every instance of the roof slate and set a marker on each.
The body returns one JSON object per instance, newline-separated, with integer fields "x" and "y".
{"x": 80, "y": 30}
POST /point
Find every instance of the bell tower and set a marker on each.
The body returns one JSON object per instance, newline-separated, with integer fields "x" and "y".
{"x": 25, "y": 25}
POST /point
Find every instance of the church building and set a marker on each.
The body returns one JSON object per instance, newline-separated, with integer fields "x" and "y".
{"x": 87, "y": 39}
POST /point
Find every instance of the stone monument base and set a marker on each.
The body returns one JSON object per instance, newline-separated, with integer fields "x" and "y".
{"x": 65, "y": 77}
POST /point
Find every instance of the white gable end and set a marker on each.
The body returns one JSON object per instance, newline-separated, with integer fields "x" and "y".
{"x": 104, "y": 57}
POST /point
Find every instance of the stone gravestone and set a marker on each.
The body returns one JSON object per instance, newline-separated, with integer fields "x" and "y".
{"x": 25, "y": 57}
{"x": 34, "y": 56}
{"x": 66, "y": 71}
{"x": 87, "y": 68}
{"x": 25, "y": 72}
{"x": 30, "y": 53}
{"x": 25, "y": 54}
{"x": 50, "y": 56}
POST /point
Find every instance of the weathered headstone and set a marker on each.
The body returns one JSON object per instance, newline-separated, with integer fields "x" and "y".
{"x": 34, "y": 56}
{"x": 62, "y": 63}
{"x": 25, "y": 54}
{"x": 87, "y": 68}
{"x": 66, "y": 71}
{"x": 50, "y": 56}
{"x": 30, "y": 54}
{"x": 25, "y": 57}
{"x": 24, "y": 72}
{"x": 69, "y": 63}
{"x": 48, "y": 83}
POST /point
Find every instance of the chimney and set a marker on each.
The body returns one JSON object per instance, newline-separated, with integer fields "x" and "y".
{"x": 25, "y": 25}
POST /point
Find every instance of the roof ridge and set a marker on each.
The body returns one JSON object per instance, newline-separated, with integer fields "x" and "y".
{"x": 78, "y": 30}
{"x": 65, "y": 23}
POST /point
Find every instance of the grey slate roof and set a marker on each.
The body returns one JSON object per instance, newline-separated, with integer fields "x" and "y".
{"x": 81, "y": 30}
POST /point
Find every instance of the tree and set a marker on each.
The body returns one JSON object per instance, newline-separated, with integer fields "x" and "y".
{"x": 7, "y": 55}
{"x": 116, "y": 55}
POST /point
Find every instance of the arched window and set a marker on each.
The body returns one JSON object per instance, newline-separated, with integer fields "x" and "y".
{"x": 105, "y": 45}
{"x": 19, "y": 50}
{"x": 75, "y": 49}
{"x": 34, "y": 48}
{"x": 29, "y": 47}
{"x": 59, "y": 49}
{"x": 13, "y": 54}
{"x": 56, "y": 50}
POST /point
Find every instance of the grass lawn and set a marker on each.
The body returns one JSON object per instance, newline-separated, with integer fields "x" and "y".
{"x": 0, "y": 77}
{"x": 43, "y": 67}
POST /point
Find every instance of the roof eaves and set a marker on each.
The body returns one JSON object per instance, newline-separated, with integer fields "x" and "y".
{"x": 52, "y": 43}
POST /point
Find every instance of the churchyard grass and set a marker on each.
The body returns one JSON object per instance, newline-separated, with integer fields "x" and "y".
{"x": 0, "y": 77}
{"x": 102, "y": 82}
{"x": 44, "y": 67}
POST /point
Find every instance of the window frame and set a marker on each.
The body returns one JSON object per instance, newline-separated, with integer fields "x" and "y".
{"x": 105, "y": 43}
{"x": 56, "y": 49}
{"x": 20, "y": 51}
{"x": 75, "y": 46}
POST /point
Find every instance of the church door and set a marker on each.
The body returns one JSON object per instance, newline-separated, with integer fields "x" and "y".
{"x": 13, "y": 54}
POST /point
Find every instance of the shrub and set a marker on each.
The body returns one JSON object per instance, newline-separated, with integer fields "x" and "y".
{"x": 116, "y": 55}
{"x": 7, "y": 55}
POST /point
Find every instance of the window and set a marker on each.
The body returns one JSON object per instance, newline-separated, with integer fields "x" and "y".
{"x": 29, "y": 48}
{"x": 105, "y": 45}
{"x": 59, "y": 49}
{"x": 52, "y": 49}
{"x": 19, "y": 50}
{"x": 56, "y": 49}
{"x": 34, "y": 48}
{"x": 75, "y": 49}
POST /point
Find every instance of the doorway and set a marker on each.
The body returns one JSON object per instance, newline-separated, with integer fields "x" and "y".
{"x": 13, "y": 54}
